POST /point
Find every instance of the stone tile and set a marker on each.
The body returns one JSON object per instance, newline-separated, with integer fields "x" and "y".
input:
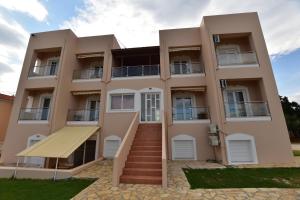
{"x": 178, "y": 186}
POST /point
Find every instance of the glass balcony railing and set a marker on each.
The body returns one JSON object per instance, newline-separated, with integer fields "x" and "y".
{"x": 91, "y": 73}
{"x": 243, "y": 58}
{"x": 132, "y": 71}
{"x": 34, "y": 114}
{"x": 246, "y": 109}
{"x": 191, "y": 113}
{"x": 46, "y": 70}
{"x": 187, "y": 68}
{"x": 83, "y": 115}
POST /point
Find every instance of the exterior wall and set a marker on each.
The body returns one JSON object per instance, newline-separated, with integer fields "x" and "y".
{"x": 271, "y": 137}
{"x": 5, "y": 107}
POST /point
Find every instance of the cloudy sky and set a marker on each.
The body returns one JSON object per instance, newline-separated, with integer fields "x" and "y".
{"x": 136, "y": 23}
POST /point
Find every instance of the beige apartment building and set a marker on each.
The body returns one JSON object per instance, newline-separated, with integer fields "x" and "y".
{"x": 205, "y": 93}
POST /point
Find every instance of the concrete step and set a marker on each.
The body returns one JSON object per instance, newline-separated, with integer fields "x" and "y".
{"x": 146, "y": 148}
{"x": 144, "y": 158}
{"x": 142, "y": 172}
{"x": 145, "y": 153}
{"x": 157, "y": 180}
{"x": 149, "y": 165}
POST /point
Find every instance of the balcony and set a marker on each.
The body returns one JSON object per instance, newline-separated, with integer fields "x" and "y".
{"x": 83, "y": 115}
{"x": 186, "y": 68}
{"x": 247, "y": 110}
{"x": 133, "y": 71}
{"x": 34, "y": 114}
{"x": 86, "y": 74}
{"x": 241, "y": 58}
{"x": 190, "y": 113}
{"x": 235, "y": 50}
{"x": 39, "y": 71}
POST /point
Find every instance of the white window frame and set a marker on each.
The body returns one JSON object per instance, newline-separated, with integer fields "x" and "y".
{"x": 119, "y": 92}
{"x": 182, "y": 59}
{"x": 245, "y": 94}
{"x": 55, "y": 58}
{"x": 87, "y": 105}
{"x": 184, "y": 95}
{"x": 111, "y": 137}
{"x": 241, "y": 136}
{"x": 29, "y": 139}
{"x": 183, "y": 137}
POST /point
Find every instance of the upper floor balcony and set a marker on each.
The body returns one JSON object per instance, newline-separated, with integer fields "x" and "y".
{"x": 244, "y": 100}
{"x": 89, "y": 67}
{"x": 135, "y": 62}
{"x": 189, "y": 105}
{"x": 235, "y": 50}
{"x": 133, "y": 71}
{"x": 45, "y": 63}
{"x": 84, "y": 108}
{"x": 186, "y": 61}
{"x": 36, "y": 106}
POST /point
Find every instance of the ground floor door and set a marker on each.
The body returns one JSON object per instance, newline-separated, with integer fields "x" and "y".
{"x": 90, "y": 150}
{"x": 150, "y": 107}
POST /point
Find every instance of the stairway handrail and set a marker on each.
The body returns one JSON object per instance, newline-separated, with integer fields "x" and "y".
{"x": 123, "y": 151}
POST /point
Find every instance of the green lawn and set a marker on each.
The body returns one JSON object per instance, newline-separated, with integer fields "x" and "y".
{"x": 244, "y": 178}
{"x": 41, "y": 189}
{"x": 296, "y": 152}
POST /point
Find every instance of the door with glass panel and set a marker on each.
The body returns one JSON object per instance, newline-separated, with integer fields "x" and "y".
{"x": 45, "y": 106}
{"x": 150, "y": 107}
{"x": 235, "y": 101}
{"x": 183, "y": 108}
{"x": 52, "y": 63}
{"x": 93, "y": 110}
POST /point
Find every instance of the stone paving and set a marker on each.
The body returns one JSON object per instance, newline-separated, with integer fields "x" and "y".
{"x": 178, "y": 187}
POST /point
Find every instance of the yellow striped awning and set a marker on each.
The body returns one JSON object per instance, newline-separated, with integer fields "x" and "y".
{"x": 61, "y": 143}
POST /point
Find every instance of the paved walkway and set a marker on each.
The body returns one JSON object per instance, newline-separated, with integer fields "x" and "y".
{"x": 178, "y": 186}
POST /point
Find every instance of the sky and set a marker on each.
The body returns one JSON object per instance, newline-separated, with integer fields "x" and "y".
{"x": 136, "y": 23}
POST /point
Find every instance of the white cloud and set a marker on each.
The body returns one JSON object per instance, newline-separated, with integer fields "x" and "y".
{"x": 33, "y": 8}
{"x": 295, "y": 97}
{"x": 136, "y": 22}
{"x": 13, "y": 40}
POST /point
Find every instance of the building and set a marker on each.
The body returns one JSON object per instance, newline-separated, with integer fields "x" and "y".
{"x": 212, "y": 85}
{"x": 6, "y": 103}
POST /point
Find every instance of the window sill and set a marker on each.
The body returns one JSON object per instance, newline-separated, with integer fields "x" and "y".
{"x": 33, "y": 122}
{"x": 248, "y": 119}
{"x": 200, "y": 121}
{"x": 82, "y": 122}
{"x": 41, "y": 77}
{"x": 121, "y": 111}
{"x": 187, "y": 75}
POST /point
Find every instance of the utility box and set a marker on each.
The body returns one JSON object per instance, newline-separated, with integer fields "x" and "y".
{"x": 213, "y": 135}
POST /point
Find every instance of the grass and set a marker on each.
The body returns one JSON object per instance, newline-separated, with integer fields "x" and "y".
{"x": 41, "y": 189}
{"x": 296, "y": 152}
{"x": 244, "y": 178}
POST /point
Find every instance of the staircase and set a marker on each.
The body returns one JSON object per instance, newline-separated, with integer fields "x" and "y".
{"x": 143, "y": 165}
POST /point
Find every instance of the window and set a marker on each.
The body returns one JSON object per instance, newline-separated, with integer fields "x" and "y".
{"x": 122, "y": 101}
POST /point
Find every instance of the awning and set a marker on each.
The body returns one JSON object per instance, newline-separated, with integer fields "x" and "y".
{"x": 86, "y": 92}
{"x": 61, "y": 143}
{"x": 194, "y": 89}
{"x": 173, "y": 49}
{"x": 90, "y": 55}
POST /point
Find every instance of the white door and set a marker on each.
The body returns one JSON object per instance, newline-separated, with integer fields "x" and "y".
{"x": 236, "y": 101}
{"x": 34, "y": 161}
{"x": 150, "y": 107}
{"x": 183, "y": 150}
{"x": 111, "y": 147}
{"x": 240, "y": 151}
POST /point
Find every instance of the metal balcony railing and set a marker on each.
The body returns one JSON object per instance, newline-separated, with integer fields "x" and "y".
{"x": 191, "y": 113}
{"x": 243, "y": 58}
{"x": 131, "y": 71}
{"x": 187, "y": 68}
{"x": 34, "y": 114}
{"x": 91, "y": 73}
{"x": 45, "y": 70}
{"x": 83, "y": 115}
{"x": 246, "y": 109}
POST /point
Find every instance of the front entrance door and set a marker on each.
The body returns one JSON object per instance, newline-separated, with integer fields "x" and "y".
{"x": 150, "y": 107}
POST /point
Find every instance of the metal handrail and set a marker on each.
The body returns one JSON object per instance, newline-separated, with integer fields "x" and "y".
{"x": 90, "y": 73}
{"x": 241, "y": 58}
{"x": 247, "y": 109}
{"x": 34, "y": 113}
{"x": 139, "y": 70}
{"x": 190, "y": 113}
{"x": 43, "y": 70}
{"x": 188, "y": 68}
{"x": 83, "y": 115}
